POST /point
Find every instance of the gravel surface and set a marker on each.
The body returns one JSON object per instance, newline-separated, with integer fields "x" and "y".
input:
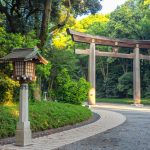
{"x": 134, "y": 134}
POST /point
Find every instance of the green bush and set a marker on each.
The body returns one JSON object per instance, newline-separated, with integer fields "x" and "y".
{"x": 7, "y": 86}
{"x": 9, "y": 41}
{"x": 70, "y": 91}
{"x": 42, "y": 116}
{"x": 146, "y": 83}
{"x": 125, "y": 84}
{"x": 8, "y": 120}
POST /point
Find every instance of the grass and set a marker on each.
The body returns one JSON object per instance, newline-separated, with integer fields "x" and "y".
{"x": 122, "y": 100}
{"x": 42, "y": 116}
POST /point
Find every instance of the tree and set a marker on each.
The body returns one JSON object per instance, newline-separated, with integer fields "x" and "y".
{"x": 23, "y": 16}
{"x": 9, "y": 41}
{"x": 130, "y": 20}
{"x": 7, "y": 86}
{"x": 146, "y": 2}
{"x": 71, "y": 91}
{"x": 62, "y": 59}
{"x": 125, "y": 84}
{"x": 41, "y": 84}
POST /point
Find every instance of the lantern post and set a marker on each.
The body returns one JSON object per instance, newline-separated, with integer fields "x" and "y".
{"x": 24, "y": 72}
{"x": 24, "y": 61}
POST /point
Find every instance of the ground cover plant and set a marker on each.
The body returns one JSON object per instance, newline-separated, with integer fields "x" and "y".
{"x": 122, "y": 100}
{"x": 42, "y": 116}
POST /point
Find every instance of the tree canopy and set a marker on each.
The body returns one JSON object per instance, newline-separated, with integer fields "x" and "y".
{"x": 43, "y": 16}
{"x": 44, "y": 23}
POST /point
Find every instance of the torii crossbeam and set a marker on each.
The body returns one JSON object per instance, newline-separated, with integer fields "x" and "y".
{"x": 136, "y": 45}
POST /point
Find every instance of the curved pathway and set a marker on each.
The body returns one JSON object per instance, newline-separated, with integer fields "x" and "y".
{"x": 107, "y": 121}
{"x": 134, "y": 134}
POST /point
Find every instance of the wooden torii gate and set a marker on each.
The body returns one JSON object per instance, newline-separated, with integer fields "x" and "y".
{"x": 136, "y": 45}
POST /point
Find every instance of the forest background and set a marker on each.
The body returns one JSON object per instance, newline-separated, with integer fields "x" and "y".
{"x": 43, "y": 23}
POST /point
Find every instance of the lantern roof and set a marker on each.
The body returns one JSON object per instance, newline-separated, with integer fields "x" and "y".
{"x": 25, "y": 54}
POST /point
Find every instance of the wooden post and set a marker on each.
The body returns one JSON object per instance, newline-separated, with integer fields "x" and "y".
{"x": 91, "y": 74}
{"x": 136, "y": 76}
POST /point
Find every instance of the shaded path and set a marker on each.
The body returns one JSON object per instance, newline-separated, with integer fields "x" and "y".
{"x": 134, "y": 134}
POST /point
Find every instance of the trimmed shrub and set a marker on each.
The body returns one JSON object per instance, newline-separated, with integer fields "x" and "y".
{"x": 42, "y": 116}
{"x": 70, "y": 91}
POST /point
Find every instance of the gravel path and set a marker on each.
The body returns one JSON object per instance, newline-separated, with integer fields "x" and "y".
{"x": 134, "y": 134}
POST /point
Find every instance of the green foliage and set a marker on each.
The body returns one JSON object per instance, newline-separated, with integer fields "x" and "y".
{"x": 60, "y": 38}
{"x": 60, "y": 59}
{"x": 82, "y": 89}
{"x": 146, "y": 81}
{"x": 70, "y": 91}
{"x": 8, "y": 121}
{"x": 8, "y": 41}
{"x": 122, "y": 100}
{"x": 43, "y": 70}
{"x": 125, "y": 84}
{"x": 63, "y": 59}
{"x": 42, "y": 116}
{"x": 101, "y": 26}
{"x": 44, "y": 17}
{"x": 115, "y": 100}
{"x": 43, "y": 74}
{"x": 130, "y": 21}
{"x": 124, "y": 26}
{"x": 110, "y": 86}
{"x": 89, "y": 21}
{"x": 146, "y": 2}
{"x": 7, "y": 87}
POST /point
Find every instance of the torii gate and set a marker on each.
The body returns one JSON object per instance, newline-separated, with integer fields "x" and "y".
{"x": 116, "y": 43}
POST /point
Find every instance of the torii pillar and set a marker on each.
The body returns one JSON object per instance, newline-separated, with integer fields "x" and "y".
{"x": 136, "y": 76}
{"x": 99, "y": 40}
{"x": 91, "y": 74}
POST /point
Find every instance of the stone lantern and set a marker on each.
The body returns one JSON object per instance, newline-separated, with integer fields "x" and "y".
{"x": 24, "y": 61}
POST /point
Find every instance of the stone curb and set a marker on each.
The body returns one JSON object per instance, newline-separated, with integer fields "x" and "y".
{"x": 108, "y": 120}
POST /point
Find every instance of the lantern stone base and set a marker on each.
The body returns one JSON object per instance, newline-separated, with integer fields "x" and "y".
{"x": 23, "y": 134}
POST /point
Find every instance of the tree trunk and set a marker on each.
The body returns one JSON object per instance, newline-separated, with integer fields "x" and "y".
{"x": 45, "y": 22}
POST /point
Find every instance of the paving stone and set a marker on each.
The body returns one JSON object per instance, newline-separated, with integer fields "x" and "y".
{"x": 134, "y": 134}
